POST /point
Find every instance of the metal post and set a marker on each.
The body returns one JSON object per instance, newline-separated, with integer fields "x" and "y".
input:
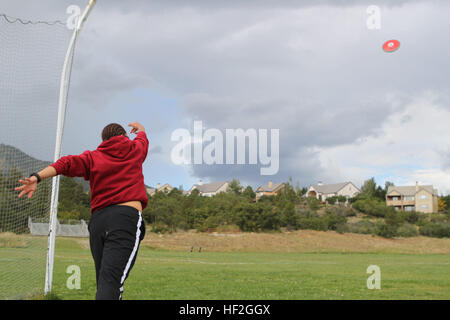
{"x": 63, "y": 93}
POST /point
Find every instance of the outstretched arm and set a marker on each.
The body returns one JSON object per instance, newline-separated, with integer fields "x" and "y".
{"x": 29, "y": 185}
{"x": 70, "y": 166}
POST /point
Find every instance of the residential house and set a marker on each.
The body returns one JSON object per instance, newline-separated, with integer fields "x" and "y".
{"x": 165, "y": 188}
{"x": 413, "y": 198}
{"x": 323, "y": 191}
{"x": 210, "y": 189}
{"x": 150, "y": 190}
{"x": 271, "y": 189}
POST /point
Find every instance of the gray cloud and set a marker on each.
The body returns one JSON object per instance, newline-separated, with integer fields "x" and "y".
{"x": 445, "y": 160}
{"x": 309, "y": 68}
{"x": 156, "y": 150}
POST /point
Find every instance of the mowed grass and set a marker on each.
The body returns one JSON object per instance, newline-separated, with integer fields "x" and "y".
{"x": 22, "y": 265}
{"x": 164, "y": 274}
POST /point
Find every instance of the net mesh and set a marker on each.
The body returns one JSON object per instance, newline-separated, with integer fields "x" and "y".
{"x": 31, "y": 60}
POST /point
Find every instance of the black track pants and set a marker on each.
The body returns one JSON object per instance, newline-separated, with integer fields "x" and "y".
{"x": 115, "y": 235}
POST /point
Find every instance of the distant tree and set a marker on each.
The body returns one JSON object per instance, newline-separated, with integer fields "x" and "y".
{"x": 446, "y": 200}
{"x": 246, "y": 215}
{"x": 235, "y": 186}
{"x": 269, "y": 217}
{"x": 297, "y": 187}
{"x": 176, "y": 191}
{"x": 313, "y": 203}
{"x": 388, "y": 184}
{"x": 73, "y": 202}
{"x": 288, "y": 216}
{"x": 442, "y": 205}
{"x": 14, "y": 212}
{"x": 288, "y": 193}
{"x": 369, "y": 188}
{"x": 380, "y": 193}
{"x": 249, "y": 193}
{"x": 301, "y": 192}
{"x": 372, "y": 206}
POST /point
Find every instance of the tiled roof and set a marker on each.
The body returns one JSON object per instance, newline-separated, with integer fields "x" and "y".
{"x": 274, "y": 187}
{"x": 411, "y": 190}
{"x": 209, "y": 187}
{"x": 329, "y": 188}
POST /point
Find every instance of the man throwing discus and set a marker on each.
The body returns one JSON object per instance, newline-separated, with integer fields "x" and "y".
{"x": 118, "y": 196}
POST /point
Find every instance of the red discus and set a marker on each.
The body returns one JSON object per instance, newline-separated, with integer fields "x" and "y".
{"x": 391, "y": 45}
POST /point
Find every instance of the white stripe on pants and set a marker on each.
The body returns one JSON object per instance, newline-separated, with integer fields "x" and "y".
{"x": 133, "y": 253}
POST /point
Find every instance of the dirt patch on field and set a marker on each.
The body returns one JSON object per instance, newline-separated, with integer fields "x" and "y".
{"x": 297, "y": 241}
{"x": 83, "y": 242}
{"x": 11, "y": 240}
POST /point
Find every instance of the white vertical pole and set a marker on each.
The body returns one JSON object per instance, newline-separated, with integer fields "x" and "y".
{"x": 62, "y": 104}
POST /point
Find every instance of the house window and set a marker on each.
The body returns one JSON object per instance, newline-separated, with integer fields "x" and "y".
{"x": 424, "y": 196}
{"x": 395, "y": 198}
{"x": 424, "y": 206}
{"x": 409, "y": 208}
{"x": 409, "y": 198}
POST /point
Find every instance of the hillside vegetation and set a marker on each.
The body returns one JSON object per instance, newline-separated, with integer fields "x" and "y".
{"x": 236, "y": 210}
{"x": 233, "y": 211}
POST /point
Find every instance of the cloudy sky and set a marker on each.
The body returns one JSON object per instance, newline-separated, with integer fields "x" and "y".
{"x": 345, "y": 109}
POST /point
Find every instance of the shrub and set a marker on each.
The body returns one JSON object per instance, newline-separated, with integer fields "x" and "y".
{"x": 394, "y": 218}
{"x": 364, "y": 227}
{"x": 438, "y": 218}
{"x": 212, "y": 222}
{"x": 159, "y": 228}
{"x": 312, "y": 223}
{"x": 336, "y": 199}
{"x": 407, "y": 230}
{"x": 438, "y": 230}
{"x": 313, "y": 203}
{"x": 373, "y": 207}
{"x": 253, "y": 217}
{"x": 411, "y": 216}
{"x": 342, "y": 228}
{"x": 341, "y": 211}
{"x": 246, "y": 215}
{"x": 68, "y": 215}
{"x": 269, "y": 218}
{"x": 333, "y": 220}
{"x": 385, "y": 230}
{"x": 288, "y": 217}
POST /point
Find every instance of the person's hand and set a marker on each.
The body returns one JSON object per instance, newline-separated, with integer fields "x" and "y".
{"x": 29, "y": 186}
{"x": 136, "y": 127}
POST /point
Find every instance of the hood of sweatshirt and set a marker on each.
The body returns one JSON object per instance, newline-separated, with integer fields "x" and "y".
{"x": 117, "y": 147}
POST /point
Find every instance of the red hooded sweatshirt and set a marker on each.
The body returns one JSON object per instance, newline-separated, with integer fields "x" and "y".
{"x": 114, "y": 170}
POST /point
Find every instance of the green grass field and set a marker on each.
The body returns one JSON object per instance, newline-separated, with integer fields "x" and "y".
{"x": 217, "y": 275}
{"x": 166, "y": 274}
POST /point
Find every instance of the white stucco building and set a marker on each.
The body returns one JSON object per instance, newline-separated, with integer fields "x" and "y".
{"x": 323, "y": 191}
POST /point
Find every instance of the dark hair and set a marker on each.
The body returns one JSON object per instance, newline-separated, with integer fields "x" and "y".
{"x": 112, "y": 130}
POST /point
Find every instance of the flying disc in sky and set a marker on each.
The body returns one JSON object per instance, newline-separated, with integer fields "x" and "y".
{"x": 391, "y": 45}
